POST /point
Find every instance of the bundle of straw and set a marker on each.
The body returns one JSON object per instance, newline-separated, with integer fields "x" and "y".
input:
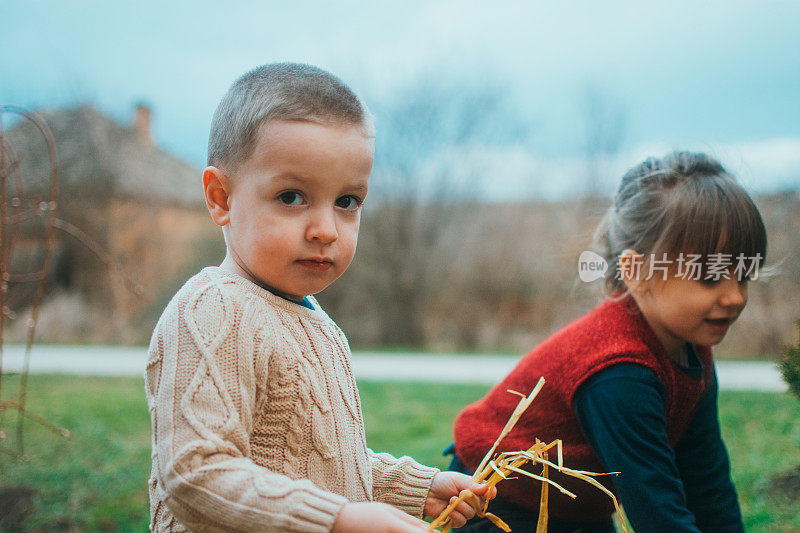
{"x": 492, "y": 470}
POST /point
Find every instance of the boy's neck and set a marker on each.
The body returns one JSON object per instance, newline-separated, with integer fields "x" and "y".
{"x": 231, "y": 265}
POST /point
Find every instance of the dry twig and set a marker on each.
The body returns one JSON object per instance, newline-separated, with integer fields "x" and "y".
{"x": 493, "y": 471}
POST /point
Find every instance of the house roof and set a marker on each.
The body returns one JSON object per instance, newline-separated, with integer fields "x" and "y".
{"x": 100, "y": 158}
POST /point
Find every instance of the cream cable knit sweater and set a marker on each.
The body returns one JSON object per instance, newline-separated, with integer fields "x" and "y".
{"x": 256, "y": 418}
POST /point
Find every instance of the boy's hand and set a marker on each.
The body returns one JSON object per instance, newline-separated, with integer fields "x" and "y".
{"x": 445, "y": 488}
{"x": 369, "y": 517}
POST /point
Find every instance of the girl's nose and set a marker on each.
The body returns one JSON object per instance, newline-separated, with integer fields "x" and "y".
{"x": 322, "y": 227}
{"x": 734, "y": 293}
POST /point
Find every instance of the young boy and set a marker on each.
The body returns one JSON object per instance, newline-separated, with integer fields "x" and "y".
{"x": 256, "y": 418}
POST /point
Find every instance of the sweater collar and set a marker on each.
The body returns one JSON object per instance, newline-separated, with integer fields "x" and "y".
{"x": 316, "y": 314}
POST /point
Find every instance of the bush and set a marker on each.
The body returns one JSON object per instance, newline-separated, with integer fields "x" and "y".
{"x": 790, "y": 366}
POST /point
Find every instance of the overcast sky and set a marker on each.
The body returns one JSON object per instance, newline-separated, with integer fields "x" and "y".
{"x": 722, "y": 75}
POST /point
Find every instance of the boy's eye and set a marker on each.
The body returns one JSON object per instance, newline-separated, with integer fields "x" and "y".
{"x": 351, "y": 203}
{"x": 291, "y": 198}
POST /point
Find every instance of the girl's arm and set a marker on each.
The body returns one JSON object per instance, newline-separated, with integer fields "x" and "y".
{"x": 704, "y": 466}
{"x": 621, "y": 411}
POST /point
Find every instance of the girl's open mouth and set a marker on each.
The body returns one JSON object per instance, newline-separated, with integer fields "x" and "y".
{"x": 719, "y": 323}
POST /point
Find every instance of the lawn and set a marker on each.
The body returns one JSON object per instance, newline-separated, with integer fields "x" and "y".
{"x": 96, "y": 480}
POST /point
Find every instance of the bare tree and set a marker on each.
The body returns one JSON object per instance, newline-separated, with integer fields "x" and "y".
{"x": 420, "y": 190}
{"x": 605, "y": 121}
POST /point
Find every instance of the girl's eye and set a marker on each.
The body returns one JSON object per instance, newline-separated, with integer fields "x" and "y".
{"x": 291, "y": 198}
{"x": 351, "y": 203}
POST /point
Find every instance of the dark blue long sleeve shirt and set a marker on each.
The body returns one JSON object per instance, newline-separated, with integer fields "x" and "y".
{"x": 686, "y": 489}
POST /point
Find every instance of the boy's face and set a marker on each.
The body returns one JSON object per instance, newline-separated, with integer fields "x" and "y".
{"x": 294, "y": 207}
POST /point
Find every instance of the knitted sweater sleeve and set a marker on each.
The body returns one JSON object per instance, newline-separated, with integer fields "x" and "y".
{"x": 403, "y": 482}
{"x": 201, "y": 384}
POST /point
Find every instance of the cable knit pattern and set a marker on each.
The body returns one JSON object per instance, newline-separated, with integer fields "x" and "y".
{"x": 257, "y": 422}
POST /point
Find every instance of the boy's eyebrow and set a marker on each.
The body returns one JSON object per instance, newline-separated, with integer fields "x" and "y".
{"x": 359, "y": 186}
{"x": 287, "y": 176}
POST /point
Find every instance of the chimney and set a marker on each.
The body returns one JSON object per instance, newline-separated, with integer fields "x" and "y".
{"x": 141, "y": 124}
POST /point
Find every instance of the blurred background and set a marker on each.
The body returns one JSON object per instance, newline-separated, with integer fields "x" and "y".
{"x": 502, "y": 133}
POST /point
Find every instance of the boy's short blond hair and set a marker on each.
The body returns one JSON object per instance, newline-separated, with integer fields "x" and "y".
{"x": 279, "y": 91}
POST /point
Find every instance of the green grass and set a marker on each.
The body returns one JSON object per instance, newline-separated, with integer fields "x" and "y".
{"x": 96, "y": 480}
{"x": 762, "y": 433}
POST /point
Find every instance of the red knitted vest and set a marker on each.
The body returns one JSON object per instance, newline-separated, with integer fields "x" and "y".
{"x": 614, "y": 333}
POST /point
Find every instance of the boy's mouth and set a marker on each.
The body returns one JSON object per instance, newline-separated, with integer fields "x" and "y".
{"x": 319, "y": 265}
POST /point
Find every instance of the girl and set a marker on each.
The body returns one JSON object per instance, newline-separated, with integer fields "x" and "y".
{"x": 631, "y": 386}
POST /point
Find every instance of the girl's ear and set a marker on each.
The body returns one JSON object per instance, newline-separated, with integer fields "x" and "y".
{"x": 630, "y": 269}
{"x": 217, "y": 189}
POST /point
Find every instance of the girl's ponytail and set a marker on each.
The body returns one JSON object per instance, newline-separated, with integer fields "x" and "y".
{"x": 684, "y": 202}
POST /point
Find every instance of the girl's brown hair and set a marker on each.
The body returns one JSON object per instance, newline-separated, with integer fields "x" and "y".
{"x": 682, "y": 203}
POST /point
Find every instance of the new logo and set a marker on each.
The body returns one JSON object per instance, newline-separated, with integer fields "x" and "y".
{"x": 591, "y": 266}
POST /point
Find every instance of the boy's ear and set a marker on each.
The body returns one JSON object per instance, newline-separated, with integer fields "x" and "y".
{"x": 630, "y": 269}
{"x": 217, "y": 189}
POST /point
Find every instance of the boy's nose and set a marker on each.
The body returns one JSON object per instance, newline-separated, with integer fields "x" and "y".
{"x": 322, "y": 227}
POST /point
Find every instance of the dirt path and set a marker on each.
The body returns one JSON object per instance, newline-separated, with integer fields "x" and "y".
{"x": 453, "y": 368}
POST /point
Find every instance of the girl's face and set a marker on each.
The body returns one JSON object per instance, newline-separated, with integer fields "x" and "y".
{"x": 686, "y": 310}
